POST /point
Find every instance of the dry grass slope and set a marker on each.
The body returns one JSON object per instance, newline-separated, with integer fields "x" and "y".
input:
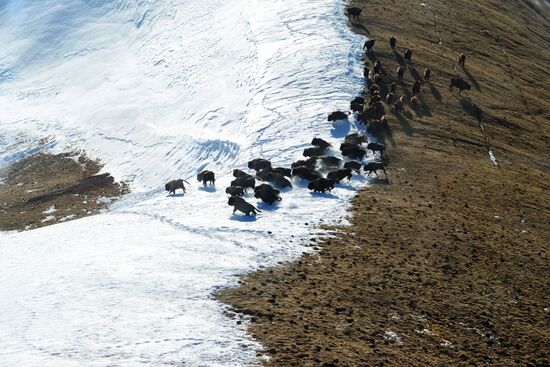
{"x": 448, "y": 265}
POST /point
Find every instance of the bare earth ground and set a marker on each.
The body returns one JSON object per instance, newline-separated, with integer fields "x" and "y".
{"x": 46, "y": 189}
{"x": 449, "y": 265}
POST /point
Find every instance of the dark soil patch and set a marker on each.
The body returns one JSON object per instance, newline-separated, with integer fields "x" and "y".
{"x": 45, "y": 189}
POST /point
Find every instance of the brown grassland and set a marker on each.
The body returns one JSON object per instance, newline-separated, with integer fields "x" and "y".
{"x": 448, "y": 265}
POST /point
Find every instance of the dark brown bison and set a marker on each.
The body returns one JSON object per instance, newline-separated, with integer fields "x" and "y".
{"x": 241, "y": 205}
{"x": 309, "y": 163}
{"x": 356, "y": 139}
{"x": 354, "y": 153}
{"x": 400, "y": 72}
{"x": 427, "y": 74}
{"x": 389, "y": 99}
{"x": 305, "y": 173}
{"x": 330, "y": 162}
{"x": 416, "y": 88}
{"x": 353, "y": 13}
{"x": 398, "y": 106}
{"x": 321, "y": 185}
{"x": 393, "y": 87}
{"x": 358, "y": 100}
{"x": 346, "y": 145}
{"x": 461, "y": 84}
{"x": 238, "y": 173}
{"x": 318, "y": 142}
{"x": 376, "y": 147}
{"x": 393, "y": 42}
{"x": 282, "y": 171}
{"x": 377, "y": 68}
{"x": 462, "y": 60}
{"x": 207, "y": 176}
{"x": 374, "y": 112}
{"x": 366, "y": 72}
{"x": 173, "y": 185}
{"x": 375, "y": 166}
{"x": 244, "y": 182}
{"x": 313, "y": 152}
{"x": 263, "y": 174}
{"x": 414, "y": 102}
{"x": 374, "y": 89}
{"x": 337, "y": 115}
{"x": 340, "y": 175}
{"x": 267, "y": 193}
{"x": 259, "y": 163}
{"x": 355, "y": 166}
{"x": 356, "y": 107}
{"x": 234, "y": 191}
{"x": 369, "y": 45}
{"x": 278, "y": 180}
{"x": 408, "y": 56}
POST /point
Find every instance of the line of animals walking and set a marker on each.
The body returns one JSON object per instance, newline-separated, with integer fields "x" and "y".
{"x": 323, "y": 172}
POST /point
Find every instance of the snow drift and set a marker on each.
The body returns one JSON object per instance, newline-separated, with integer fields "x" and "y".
{"x": 160, "y": 90}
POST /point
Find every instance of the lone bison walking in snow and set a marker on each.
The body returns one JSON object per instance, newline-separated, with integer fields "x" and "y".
{"x": 173, "y": 185}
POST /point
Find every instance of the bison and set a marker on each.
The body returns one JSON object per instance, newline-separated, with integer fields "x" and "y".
{"x": 234, "y": 191}
{"x": 354, "y": 153}
{"x": 278, "y": 180}
{"x": 238, "y": 173}
{"x": 427, "y": 74}
{"x": 244, "y": 182}
{"x": 314, "y": 152}
{"x": 337, "y": 115}
{"x": 461, "y": 84}
{"x": 389, "y": 98}
{"x": 375, "y": 166}
{"x": 400, "y": 72}
{"x": 353, "y": 13}
{"x": 356, "y": 139}
{"x": 241, "y": 205}
{"x": 376, "y": 147}
{"x": 305, "y": 173}
{"x": 393, "y": 42}
{"x": 259, "y": 163}
{"x": 416, "y": 88}
{"x": 355, "y": 166}
{"x": 321, "y": 185}
{"x": 374, "y": 112}
{"x": 267, "y": 193}
{"x": 173, "y": 185}
{"x": 206, "y": 176}
{"x": 408, "y": 55}
{"x": 330, "y": 162}
{"x": 369, "y": 45}
{"x": 282, "y": 171}
{"x": 462, "y": 60}
{"x": 340, "y": 175}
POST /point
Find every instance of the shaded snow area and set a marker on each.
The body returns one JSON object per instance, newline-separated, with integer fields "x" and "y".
{"x": 158, "y": 90}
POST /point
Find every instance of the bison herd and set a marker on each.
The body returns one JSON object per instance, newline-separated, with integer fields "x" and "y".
{"x": 319, "y": 169}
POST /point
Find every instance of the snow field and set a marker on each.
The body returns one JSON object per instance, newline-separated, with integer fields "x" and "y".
{"x": 161, "y": 90}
